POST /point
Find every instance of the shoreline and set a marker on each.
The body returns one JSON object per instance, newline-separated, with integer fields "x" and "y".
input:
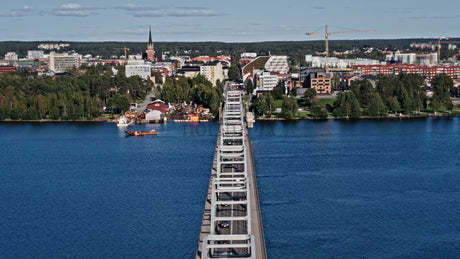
{"x": 364, "y": 117}
{"x": 257, "y": 119}
{"x": 48, "y": 121}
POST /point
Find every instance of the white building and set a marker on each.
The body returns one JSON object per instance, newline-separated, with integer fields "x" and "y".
{"x": 213, "y": 72}
{"x": 62, "y": 62}
{"x": 277, "y": 64}
{"x": 138, "y": 68}
{"x": 35, "y": 54}
{"x": 249, "y": 55}
{"x": 265, "y": 81}
{"x": 413, "y": 58}
{"x": 11, "y": 56}
{"x": 316, "y": 62}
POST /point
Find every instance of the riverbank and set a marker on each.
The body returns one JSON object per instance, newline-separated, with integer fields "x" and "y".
{"x": 391, "y": 116}
{"x": 46, "y": 121}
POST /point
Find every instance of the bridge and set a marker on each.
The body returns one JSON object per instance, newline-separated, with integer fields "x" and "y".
{"x": 232, "y": 224}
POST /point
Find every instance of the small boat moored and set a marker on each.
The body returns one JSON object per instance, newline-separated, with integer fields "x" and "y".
{"x": 140, "y": 133}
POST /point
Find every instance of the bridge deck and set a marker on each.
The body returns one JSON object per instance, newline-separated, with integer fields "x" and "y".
{"x": 244, "y": 232}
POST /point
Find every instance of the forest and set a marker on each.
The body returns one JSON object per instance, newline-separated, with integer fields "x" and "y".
{"x": 294, "y": 49}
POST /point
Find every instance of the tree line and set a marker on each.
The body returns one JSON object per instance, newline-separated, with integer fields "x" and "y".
{"x": 295, "y": 49}
{"x": 402, "y": 94}
{"x": 24, "y": 96}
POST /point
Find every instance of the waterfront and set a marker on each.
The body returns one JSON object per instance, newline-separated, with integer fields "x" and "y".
{"x": 86, "y": 190}
{"x": 333, "y": 188}
{"x": 359, "y": 189}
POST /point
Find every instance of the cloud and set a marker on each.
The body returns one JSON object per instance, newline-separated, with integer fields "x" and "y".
{"x": 135, "y": 8}
{"x": 177, "y": 12}
{"x": 318, "y": 7}
{"x": 74, "y": 9}
{"x": 433, "y": 17}
{"x": 19, "y": 12}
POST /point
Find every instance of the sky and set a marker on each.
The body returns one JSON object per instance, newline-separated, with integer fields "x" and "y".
{"x": 225, "y": 21}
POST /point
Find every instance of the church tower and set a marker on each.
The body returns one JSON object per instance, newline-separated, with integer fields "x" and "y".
{"x": 150, "y": 50}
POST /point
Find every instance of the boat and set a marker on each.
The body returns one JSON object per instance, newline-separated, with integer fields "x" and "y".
{"x": 124, "y": 121}
{"x": 140, "y": 133}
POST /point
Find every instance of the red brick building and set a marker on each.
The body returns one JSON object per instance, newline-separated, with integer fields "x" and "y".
{"x": 427, "y": 71}
{"x": 4, "y": 69}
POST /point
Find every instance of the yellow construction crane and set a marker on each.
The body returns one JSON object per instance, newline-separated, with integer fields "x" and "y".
{"x": 125, "y": 50}
{"x": 326, "y": 36}
{"x": 446, "y": 40}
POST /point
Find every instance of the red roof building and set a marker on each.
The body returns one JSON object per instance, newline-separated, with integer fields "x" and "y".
{"x": 4, "y": 69}
{"x": 427, "y": 71}
{"x": 158, "y": 106}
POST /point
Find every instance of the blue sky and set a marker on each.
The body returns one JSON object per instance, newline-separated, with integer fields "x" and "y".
{"x": 227, "y": 21}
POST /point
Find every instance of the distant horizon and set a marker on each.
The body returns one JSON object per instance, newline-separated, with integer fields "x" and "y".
{"x": 228, "y": 42}
{"x": 237, "y": 21}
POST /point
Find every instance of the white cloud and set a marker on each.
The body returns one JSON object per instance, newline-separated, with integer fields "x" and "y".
{"x": 19, "y": 12}
{"x": 74, "y": 9}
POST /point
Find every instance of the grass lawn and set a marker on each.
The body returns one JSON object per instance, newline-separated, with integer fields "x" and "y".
{"x": 324, "y": 102}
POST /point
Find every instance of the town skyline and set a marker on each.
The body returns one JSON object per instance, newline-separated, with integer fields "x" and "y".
{"x": 235, "y": 21}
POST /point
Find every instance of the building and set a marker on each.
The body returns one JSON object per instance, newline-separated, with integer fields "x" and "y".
{"x": 11, "y": 56}
{"x": 138, "y": 68}
{"x": 395, "y": 69}
{"x": 213, "y": 72}
{"x": 154, "y": 116}
{"x": 158, "y": 105}
{"x": 413, "y": 58}
{"x": 4, "y": 69}
{"x": 62, "y": 62}
{"x": 35, "y": 54}
{"x": 277, "y": 64}
{"x": 318, "y": 62}
{"x": 190, "y": 71}
{"x": 150, "y": 51}
{"x": 320, "y": 81}
{"x": 265, "y": 81}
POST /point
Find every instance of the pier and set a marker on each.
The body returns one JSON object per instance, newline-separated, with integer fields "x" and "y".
{"x": 232, "y": 224}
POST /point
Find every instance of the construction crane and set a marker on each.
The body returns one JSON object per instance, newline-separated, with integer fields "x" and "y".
{"x": 125, "y": 50}
{"x": 326, "y": 36}
{"x": 446, "y": 40}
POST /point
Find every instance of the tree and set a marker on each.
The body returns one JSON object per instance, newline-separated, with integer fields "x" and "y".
{"x": 377, "y": 107}
{"x": 277, "y": 92}
{"x": 234, "y": 72}
{"x": 249, "y": 87}
{"x": 309, "y": 95}
{"x": 289, "y": 108}
{"x": 264, "y": 104}
{"x": 442, "y": 86}
{"x": 317, "y": 110}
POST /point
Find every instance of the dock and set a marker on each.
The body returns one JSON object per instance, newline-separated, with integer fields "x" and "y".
{"x": 232, "y": 224}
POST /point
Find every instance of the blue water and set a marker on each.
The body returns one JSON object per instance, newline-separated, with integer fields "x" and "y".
{"x": 328, "y": 189}
{"x": 359, "y": 189}
{"x": 84, "y": 190}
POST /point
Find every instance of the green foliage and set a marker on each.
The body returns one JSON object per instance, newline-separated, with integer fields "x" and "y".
{"x": 289, "y": 108}
{"x": 234, "y": 72}
{"x": 264, "y": 104}
{"x": 278, "y": 92}
{"x": 310, "y": 93}
{"x": 198, "y": 90}
{"x": 23, "y": 96}
{"x": 442, "y": 85}
{"x": 249, "y": 87}
{"x": 346, "y": 106}
{"x": 363, "y": 90}
{"x": 317, "y": 110}
{"x": 376, "y": 106}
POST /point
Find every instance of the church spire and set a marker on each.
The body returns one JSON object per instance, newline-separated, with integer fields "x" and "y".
{"x": 150, "y": 36}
